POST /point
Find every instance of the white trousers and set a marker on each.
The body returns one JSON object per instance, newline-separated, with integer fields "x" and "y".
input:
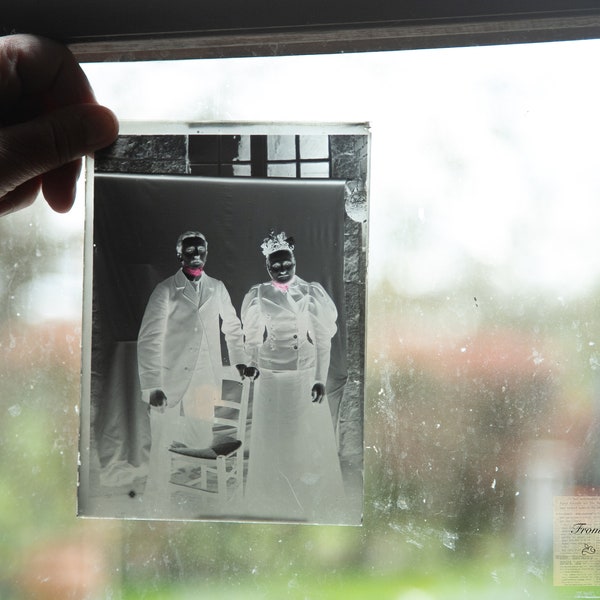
{"x": 189, "y": 422}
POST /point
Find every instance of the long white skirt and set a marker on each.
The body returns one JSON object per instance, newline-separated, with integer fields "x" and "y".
{"x": 294, "y": 470}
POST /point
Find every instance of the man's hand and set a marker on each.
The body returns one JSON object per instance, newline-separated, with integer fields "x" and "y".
{"x": 318, "y": 392}
{"x": 49, "y": 119}
{"x": 158, "y": 398}
{"x": 250, "y": 372}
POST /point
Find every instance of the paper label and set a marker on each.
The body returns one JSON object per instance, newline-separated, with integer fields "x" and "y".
{"x": 577, "y": 540}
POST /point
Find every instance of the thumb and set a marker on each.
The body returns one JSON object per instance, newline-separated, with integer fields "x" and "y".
{"x": 48, "y": 142}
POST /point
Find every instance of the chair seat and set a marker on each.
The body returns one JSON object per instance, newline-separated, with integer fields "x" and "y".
{"x": 220, "y": 447}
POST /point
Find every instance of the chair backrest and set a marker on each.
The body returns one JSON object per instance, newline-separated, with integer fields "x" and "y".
{"x": 231, "y": 411}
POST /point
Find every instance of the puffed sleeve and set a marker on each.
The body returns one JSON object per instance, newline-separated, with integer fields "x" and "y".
{"x": 253, "y": 323}
{"x": 151, "y": 338}
{"x": 323, "y": 316}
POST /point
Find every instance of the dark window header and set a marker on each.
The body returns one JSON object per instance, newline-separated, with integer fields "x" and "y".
{"x": 162, "y": 29}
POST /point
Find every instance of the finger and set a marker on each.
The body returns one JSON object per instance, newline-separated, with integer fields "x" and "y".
{"x": 22, "y": 197}
{"x": 50, "y": 142}
{"x": 38, "y": 68}
{"x": 60, "y": 185}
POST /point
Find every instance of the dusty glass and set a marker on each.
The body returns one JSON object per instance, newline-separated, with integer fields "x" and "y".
{"x": 483, "y": 337}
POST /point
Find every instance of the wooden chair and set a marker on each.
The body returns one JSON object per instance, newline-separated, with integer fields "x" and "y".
{"x": 218, "y": 470}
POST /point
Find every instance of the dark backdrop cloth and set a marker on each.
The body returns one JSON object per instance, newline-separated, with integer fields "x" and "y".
{"x": 137, "y": 220}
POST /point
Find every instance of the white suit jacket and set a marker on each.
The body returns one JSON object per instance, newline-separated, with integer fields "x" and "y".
{"x": 175, "y": 324}
{"x": 299, "y": 325}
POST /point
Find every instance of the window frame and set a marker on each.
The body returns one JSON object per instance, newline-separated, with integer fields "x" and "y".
{"x": 98, "y": 30}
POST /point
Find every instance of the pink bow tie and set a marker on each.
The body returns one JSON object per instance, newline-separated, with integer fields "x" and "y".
{"x": 193, "y": 271}
{"x": 282, "y": 287}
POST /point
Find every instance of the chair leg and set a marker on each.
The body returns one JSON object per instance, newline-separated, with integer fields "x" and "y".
{"x": 221, "y": 478}
{"x": 239, "y": 472}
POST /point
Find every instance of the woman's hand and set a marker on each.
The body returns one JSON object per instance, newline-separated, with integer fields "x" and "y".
{"x": 250, "y": 372}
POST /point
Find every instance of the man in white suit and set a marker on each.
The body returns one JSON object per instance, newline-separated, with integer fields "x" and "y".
{"x": 179, "y": 359}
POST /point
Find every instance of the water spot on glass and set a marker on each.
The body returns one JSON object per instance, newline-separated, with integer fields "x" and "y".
{"x": 537, "y": 358}
{"x": 14, "y": 410}
{"x": 449, "y": 539}
{"x": 293, "y": 583}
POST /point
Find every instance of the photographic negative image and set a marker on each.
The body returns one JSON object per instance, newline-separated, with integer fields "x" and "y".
{"x": 224, "y": 329}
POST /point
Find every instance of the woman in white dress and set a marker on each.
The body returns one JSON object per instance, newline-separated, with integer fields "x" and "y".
{"x": 294, "y": 470}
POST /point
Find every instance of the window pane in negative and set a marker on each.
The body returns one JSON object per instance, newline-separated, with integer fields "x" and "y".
{"x": 281, "y": 147}
{"x": 314, "y": 169}
{"x": 314, "y": 146}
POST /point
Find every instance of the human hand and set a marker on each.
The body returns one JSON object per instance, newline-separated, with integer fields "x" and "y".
{"x": 49, "y": 119}
{"x": 318, "y": 392}
{"x": 250, "y": 372}
{"x": 158, "y": 398}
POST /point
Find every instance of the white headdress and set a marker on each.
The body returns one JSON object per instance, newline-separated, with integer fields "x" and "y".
{"x": 275, "y": 242}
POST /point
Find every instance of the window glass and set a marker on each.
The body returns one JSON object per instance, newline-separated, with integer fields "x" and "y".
{"x": 314, "y": 169}
{"x": 282, "y": 170}
{"x": 314, "y": 146}
{"x": 483, "y": 336}
{"x": 281, "y": 147}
